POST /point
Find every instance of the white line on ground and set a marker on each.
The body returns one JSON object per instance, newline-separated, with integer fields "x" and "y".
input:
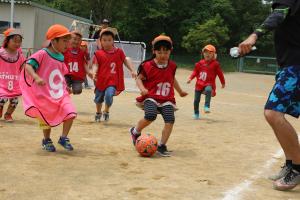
{"x": 236, "y": 192}
{"x": 246, "y": 94}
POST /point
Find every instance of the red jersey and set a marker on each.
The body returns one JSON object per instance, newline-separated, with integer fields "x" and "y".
{"x": 159, "y": 82}
{"x": 75, "y": 60}
{"x": 110, "y": 69}
{"x": 206, "y": 73}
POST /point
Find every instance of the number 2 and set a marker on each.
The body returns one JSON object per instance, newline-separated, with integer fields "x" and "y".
{"x": 113, "y": 68}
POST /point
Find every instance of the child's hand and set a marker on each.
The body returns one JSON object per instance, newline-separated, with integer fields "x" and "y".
{"x": 69, "y": 90}
{"x": 223, "y": 85}
{"x": 94, "y": 76}
{"x": 133, "y": 75}
{"x": 90, "y": 74}
{"x": 39, "y": 81}
{"x": 189, "y": 81}
{"x": 183, "y": 94}
{"x": 144, "y": 92}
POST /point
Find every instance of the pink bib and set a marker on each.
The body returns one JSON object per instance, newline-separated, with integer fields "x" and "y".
{"x": 50, "y": 102}
{"x": 9, "y": 76}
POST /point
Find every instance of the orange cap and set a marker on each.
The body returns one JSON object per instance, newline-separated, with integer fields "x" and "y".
{"x": 56, "y": 31}
{"x": 12, "y": 31}
{"x": 83, "y": 43}
{"x": 162, "y": 38}
{"x": 210, "y": 48}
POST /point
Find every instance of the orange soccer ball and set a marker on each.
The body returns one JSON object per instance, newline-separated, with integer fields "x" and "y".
{"x": 146, "y": 145}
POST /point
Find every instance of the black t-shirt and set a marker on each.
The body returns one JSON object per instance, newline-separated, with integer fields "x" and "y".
{"x": 96, "y": 34}
{"x": 287, "y": 35}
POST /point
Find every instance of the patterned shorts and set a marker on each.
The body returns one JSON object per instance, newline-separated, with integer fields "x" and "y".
{"x": 285, "y": 95}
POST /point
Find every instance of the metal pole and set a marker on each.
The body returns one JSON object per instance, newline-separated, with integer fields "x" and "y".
{"x": 12, "y": 3}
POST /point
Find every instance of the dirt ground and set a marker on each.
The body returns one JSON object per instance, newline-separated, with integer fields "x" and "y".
{"x": 210, "y": 156}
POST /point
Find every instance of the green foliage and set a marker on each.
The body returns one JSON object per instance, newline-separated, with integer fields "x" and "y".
{"x": 211, "y": 32}
{"x": 190, "y": 23}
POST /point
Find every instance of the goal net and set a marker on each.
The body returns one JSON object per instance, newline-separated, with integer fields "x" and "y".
{"x": 135, "y": 51}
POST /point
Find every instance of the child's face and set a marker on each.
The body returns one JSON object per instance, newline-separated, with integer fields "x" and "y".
{"x": 162, "y": 55}
{"x": 61, "y": 44}
{"x": 75, "y": 40}
{"x": 83, "y": 48}
{"x": 107, "y": 42}
{"x": 208, "y": 55}
{"x": 14, "y": 43}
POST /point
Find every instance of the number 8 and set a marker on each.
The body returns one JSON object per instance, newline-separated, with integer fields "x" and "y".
{"x": 10, "y": 85}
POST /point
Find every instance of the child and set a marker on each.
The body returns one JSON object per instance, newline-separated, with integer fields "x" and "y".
{"x": 11, "y": 59}
{"x": 156, "y": 81}
{"x": 206, "y": 71}
{"x": 76, "y": 61}
{"x": 84, "y": 48}
{"x": 44, "y": 88}
{"x": 108, "y": 72}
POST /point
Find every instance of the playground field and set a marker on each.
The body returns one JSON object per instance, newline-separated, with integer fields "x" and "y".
{"x": 226, "y": 155}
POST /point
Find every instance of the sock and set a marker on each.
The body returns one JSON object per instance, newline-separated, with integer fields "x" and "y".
{"x": 296, "y": 167}
{"x": 161, "y": 144}
{"x": 289, "y": 163}
{"x": 135, "y": 132}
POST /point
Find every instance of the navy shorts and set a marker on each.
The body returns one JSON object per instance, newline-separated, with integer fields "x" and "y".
{"x": 285, "y": 95}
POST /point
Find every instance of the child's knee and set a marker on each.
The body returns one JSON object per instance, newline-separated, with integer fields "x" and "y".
{"x": 108, "y": 100}
{"x": 14, "y": 102}
{"x": 150, "y": 116}
{"x": 208, "y": 89}
{"x": 77, "y": 88}
{"x": 3, "y": 101}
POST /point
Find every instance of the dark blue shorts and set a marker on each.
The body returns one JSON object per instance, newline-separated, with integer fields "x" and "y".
{"x": 285, "y": 95}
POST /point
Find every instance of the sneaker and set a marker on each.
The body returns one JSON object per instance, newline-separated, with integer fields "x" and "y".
{"x": 65, "y": 142}
{"x": 98, "y": 117}
{"x": 206, "y": 109}
{"x": 106, "y": 116}
{"x": 282, "y": 173}
{"x": 290, "y": 181}
{"x": 196, "y": 116}
{"x": 8, "y": 117}
{"x": 134, "y": 137}
{"x": 163, "y": 151}
{"x": 47, "y": 145}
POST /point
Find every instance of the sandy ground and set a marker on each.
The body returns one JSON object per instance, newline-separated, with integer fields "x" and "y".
{"x": 210, "y": 156}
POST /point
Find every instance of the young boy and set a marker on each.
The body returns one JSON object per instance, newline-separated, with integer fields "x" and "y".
{"x": 76, "y": 62}
{"x": 108, "y": 72}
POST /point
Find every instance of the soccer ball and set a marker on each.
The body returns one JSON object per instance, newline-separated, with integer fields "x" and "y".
{"x": 146, "y": 145}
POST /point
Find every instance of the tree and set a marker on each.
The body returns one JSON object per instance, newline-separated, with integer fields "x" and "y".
{"x": 211, "y": 32}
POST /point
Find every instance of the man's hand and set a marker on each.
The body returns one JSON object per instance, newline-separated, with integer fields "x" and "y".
{"x": 246, "y": 46}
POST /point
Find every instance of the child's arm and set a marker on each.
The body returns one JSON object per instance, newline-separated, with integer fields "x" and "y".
{"x": 221, "y": 76}
{"x": 178, "y": 89}
{"x": 130, "y": 67}
{"x": 140, "y": 84}
{"x": 87, "y": 70}
{"x": 35, "y": 76}
{"x": 193, "y": 75}
{"x": 95, "y": 71}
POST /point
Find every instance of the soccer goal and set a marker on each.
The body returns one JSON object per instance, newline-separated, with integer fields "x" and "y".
{"x": 256, "y": 64}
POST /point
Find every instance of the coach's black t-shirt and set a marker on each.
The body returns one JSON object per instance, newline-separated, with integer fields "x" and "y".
{"x": 287, "y": 35}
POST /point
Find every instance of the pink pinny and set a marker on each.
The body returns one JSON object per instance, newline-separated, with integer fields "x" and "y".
{"x": 10, "y": 74}
{"x": 51, "y": 102}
